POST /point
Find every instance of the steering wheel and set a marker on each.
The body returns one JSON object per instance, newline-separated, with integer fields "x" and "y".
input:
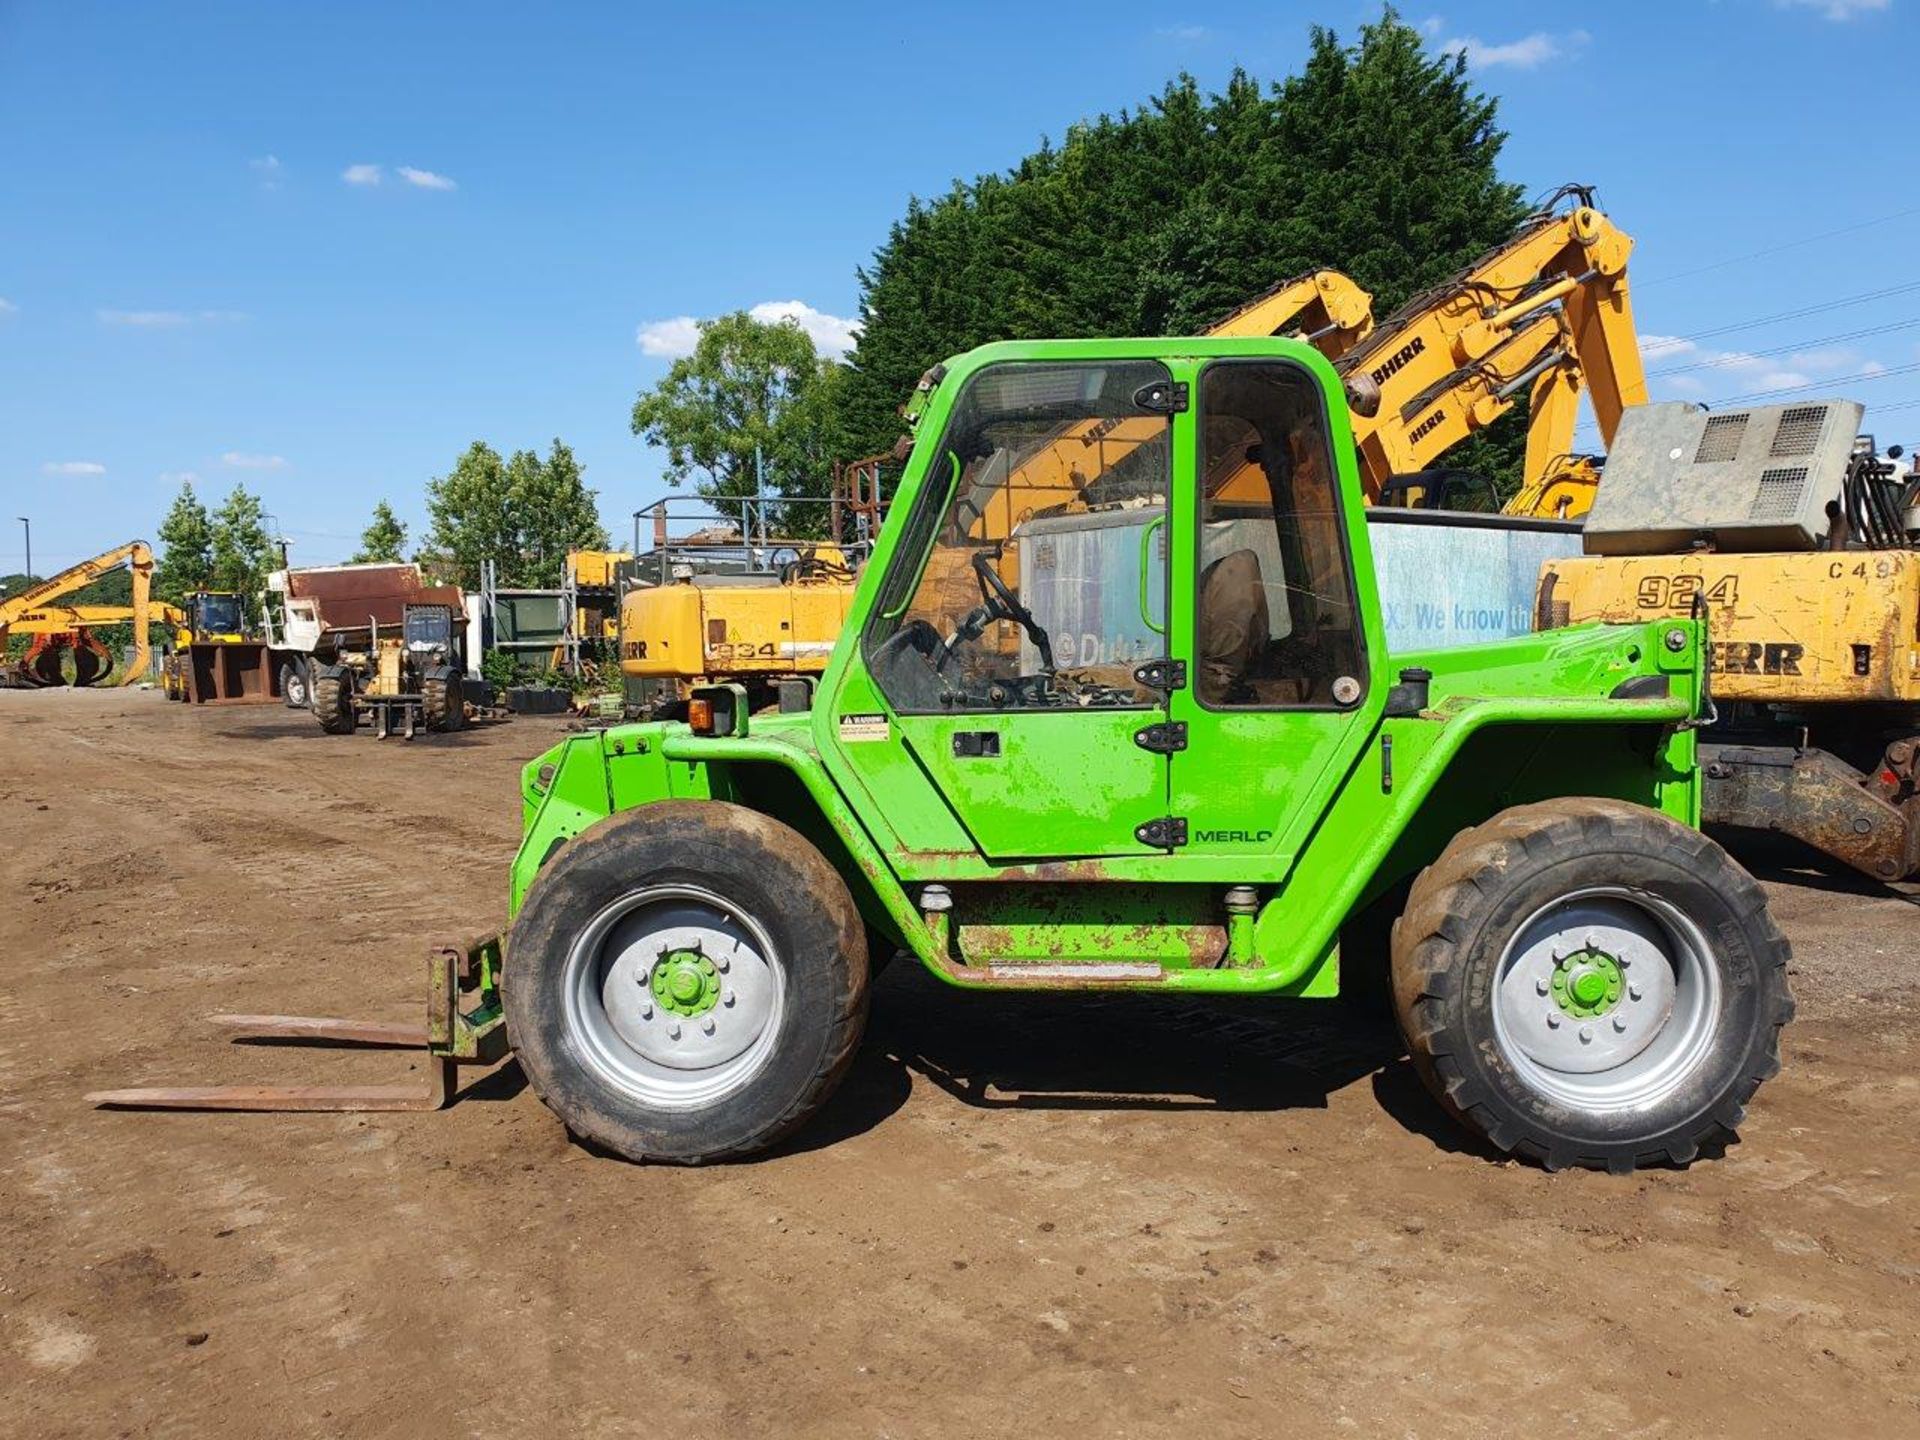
{"x": 997, "y": 602}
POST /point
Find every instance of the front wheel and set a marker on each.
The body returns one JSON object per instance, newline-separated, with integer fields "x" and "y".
{"x": 1586, "y": 982}
{"x": 686, "y": 982}
{"x": 294, "y": 688}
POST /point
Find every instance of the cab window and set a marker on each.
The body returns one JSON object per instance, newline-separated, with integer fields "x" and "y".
{"x": 1276, "y": 621}
{"x": 1044, "y": 577}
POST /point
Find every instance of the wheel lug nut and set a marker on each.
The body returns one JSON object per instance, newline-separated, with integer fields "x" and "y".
{"x": 1553, "y": 1021}
{"x": 1633, "y": 992}
{"x": 673, "y": 1031}
{"x": 646, "y": 1012}
{"x": 721, "y": 964}
{"x": 1586, "y": 1035}
{"x": 1619, "y": 1025}
{"x": 1541, "y": 986}
{"x": 707, "y": 1025}
{"x": 727, "y": 999}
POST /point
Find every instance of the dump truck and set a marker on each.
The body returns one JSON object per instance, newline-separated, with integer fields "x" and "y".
{"x": 1582, "y": 978}
{"x": 316, "y": 613}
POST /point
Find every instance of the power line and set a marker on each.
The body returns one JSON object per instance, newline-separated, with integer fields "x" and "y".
{"x": 1778, "y": 249}
{"x": 1836, "y": 380}
{"x": 1907, "y": 289}
{"x": 1722, "y": 361}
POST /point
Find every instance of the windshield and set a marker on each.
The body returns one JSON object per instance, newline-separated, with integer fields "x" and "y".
{"x": 1045, "y": 512}
{"x": 220, "y": 614}
{"x": 429, "y": 630}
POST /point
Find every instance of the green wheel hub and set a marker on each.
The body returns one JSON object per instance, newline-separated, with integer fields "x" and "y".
{"x": 1587, "y": 983}
{"x": 685, "y": 982}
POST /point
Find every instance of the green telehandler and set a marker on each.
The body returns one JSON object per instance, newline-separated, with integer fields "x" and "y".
{"x": 1113, "y": 709}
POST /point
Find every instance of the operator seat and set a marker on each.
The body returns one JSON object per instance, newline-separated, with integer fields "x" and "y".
{"x": 1234, "y": 626}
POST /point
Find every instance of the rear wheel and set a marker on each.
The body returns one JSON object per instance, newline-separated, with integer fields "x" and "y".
{"x": 686, "y": 982}
{"x": 1586, "y": 982}
{"x": 295, "y": 685}
{"x": 333, "y": 704}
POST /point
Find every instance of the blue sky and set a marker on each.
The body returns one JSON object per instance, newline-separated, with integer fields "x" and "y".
{"x": 320, "y": 249}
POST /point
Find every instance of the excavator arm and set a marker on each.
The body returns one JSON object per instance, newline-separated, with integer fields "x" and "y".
{"x": 138, "y": 559}
{"x": 1547, "y": 313}
{"x": 1324, "y": 308}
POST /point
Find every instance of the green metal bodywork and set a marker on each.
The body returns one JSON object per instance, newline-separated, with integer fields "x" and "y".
{"x": 1319, "y": 810}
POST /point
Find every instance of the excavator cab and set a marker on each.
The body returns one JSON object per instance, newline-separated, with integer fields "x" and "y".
{"x": 1442, "y": 489}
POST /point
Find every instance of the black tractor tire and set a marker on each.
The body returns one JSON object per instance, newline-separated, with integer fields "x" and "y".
{"x": 296, "y": 685}
{"x": 1503, "y": 886}
{"x": 333, "y": 704}
{"x": 443, "y": 704}
{"x": 765, "y": 873}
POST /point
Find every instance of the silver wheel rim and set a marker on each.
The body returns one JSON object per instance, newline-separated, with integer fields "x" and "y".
{"x": 659, "y": 1055}
{"x": 1638, "y": 1046}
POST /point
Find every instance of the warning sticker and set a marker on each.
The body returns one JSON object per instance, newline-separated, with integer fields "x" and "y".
{"x": 857, "y": 728}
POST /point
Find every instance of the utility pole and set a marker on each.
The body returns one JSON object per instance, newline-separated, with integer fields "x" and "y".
{"x": 27, "y": 525}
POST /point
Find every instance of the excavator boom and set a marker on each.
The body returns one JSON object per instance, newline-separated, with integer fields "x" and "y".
{"x": 39, "y": 599}
{"x": 1548, "y": 314}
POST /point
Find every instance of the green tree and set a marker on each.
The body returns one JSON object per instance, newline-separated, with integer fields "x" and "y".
{"x": 753, "y": 394}
{"x": 242, "y": 550}
{"x": 186, "y": 548}
{"x": 522, "y": 512}
{"x": 384, "y": 541}
{"x": 554, "y": 512}
{"x": 1378, "y": 158}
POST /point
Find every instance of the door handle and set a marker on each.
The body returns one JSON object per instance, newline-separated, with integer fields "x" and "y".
{"x": 1146, "y": 553}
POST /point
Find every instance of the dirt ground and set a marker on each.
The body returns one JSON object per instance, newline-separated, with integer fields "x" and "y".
{"x": 1019, "y": 1217}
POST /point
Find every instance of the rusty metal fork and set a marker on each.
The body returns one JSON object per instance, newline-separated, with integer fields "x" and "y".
{"x": 451, "y": 1037}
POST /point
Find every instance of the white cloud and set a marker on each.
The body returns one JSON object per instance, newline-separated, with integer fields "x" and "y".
{"x": 1838, "y": 11}
{"x": 73, "y": 467}
{"x": 7, "y": 307}
{"x": 832, "y": 335}
{"x": 1432, "y": 25}
{"x": 240, "y": 460}
{"x": 167, "y": 319}
{"x": 675, "y": 338}
{"x": 267, "y": 167}
{"x": 425, "y": 179}
{"x": 1526, "y": 53}
{"x": 1190, "y": 34}
{"x": 1873, "y": 367}
{"x": 143, "y": 319}
{"x": 361, "y": 174}
{"x": 1701, "y": 369}
{"x": 669, "y": 339}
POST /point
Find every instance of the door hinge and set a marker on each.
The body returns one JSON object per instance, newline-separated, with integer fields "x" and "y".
{"x": 1163, "y": 737}
{"x": 1165, "y": 676}
{"x": 1162, "y": 397}
{"x": 1167, "y": 833}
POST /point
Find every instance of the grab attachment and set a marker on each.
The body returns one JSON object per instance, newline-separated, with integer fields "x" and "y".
{"x": 452, "y": 1036}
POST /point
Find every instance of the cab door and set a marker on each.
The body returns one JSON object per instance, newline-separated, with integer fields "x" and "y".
{"x": 1029, "y": 587}
{"x": 1280, "y": 651}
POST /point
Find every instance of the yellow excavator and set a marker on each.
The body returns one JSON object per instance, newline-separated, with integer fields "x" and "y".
{"x": 1798, "y": 540}
{"x": 59, "y": 630}
{"x": 1545, "y": 315}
